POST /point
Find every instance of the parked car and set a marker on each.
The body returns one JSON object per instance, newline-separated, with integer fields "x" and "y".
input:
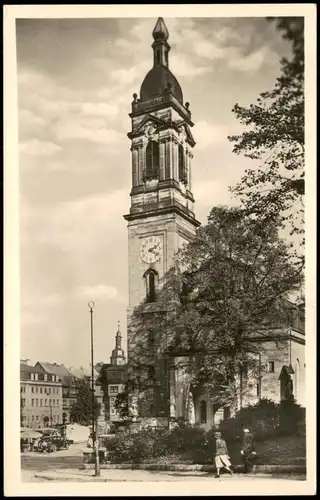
{"x": 51, "y": 442}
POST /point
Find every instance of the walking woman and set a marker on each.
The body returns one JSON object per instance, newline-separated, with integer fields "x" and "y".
{"x": 222, "y": 457}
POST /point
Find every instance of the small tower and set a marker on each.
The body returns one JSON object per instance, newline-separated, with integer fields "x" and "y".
{"x": 117, "y": 356}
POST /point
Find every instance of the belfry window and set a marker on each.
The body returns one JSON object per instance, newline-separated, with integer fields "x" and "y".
{"x": 152, "y": 160}
{"x": 183, "y": 174}
{"x": 150, "y": 277}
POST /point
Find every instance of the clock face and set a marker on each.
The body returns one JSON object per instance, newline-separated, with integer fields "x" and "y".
{"x": 150, "y": 249}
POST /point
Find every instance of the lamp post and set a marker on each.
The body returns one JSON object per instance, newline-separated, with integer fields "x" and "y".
{"x": 50, "y": 407}
{"x": 95, "y": 440}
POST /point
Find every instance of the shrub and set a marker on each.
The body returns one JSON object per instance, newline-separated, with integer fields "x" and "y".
{"x": 291, "y": 418}
{"x": 262, "y": 419}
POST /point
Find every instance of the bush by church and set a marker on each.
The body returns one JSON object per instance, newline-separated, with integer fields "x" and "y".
{"x": 188, "y": 444}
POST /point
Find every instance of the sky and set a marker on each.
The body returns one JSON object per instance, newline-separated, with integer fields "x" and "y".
{"x": 76, "y": 78}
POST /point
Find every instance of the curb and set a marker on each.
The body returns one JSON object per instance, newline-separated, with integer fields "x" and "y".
{"x": 257, "y": 469}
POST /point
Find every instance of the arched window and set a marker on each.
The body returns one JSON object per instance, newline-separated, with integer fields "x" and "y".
{"x": 152, "y": 160}
{"x": 150, "y": 277}
{"x": 181, "y": 163}
{"x": 203, "y": 412}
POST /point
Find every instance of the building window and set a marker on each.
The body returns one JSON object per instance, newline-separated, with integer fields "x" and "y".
{"x": 37, "y": 402}
{"x": 152, "y": 160}
{"x": 40, "y": 402}
{"x": 203, "y": 412}
{"x": 32, "y": 418}
{"x": 37, "y": 389}
{"x": 32, "y": 376}
{"x": 40, "y": 390}
{"x": 36, "y": 376}
{"x": 37, "y": 417}
{"x": 226, "y": 413}
{"x": 182, "y": 165}
{"x": 270, "y": 366}
{"x": 150, "y": 277}
{"x": 45, "y": 377}
{"x": 32, "y": 402}
{"x": 113, "y": 389}
{"x": 32, "y": 389}
{"x": 45, "y": 402}
{"x": 23, "y": 402}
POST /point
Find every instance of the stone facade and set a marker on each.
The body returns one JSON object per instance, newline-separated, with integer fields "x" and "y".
{"x": 162, "y": 211}
{"x": 40, "y": 398}
{"x": 161, "y": 208}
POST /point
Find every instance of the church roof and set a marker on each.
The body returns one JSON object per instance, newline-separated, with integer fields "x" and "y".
{"x": 160, "y": 80}
{"x": 157, "y": 81}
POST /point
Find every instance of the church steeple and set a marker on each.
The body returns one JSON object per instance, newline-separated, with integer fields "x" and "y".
{"x": 160, "y": 46}
{"x": 117, "y": 357}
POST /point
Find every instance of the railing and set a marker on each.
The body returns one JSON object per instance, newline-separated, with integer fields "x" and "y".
{"x": 143, "y": 106}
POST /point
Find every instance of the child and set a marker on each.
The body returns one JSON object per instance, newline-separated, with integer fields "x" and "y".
{"x": 222, "y": 456}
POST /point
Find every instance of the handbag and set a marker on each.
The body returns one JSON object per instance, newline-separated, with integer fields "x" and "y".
{"x": 253, "y": 455}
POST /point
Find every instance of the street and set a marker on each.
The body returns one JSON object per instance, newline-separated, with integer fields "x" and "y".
{"x": 64, "y": 465}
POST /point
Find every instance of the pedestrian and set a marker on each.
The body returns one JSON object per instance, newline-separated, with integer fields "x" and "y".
{"x": 222, "y": 459}
{"x": 247, "y": 450}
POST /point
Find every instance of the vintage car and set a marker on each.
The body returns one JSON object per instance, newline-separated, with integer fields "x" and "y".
{"x": 51, "y": 442}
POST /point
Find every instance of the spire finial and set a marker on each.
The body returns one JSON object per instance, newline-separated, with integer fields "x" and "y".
{"x": 160, "y": 31}
{"x": 118, "y": 325}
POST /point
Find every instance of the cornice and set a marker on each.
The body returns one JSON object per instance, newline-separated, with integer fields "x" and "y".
{"x": 176, "y": 209}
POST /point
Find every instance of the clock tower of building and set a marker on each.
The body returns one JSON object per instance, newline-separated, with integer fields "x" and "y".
{"x": 161, "y": 216}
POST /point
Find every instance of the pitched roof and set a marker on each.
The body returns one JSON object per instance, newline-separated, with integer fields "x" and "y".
{"x": 26, "y": 371}
{"x": 60, "y": 370}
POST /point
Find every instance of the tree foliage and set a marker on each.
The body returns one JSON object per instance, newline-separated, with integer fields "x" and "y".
{"x": 81, "y": 410}
{"x": 275, "y": 139}
{"x": 229, "y": 284}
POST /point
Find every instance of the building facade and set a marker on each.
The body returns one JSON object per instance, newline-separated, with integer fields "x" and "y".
{"x": 40, "y": 398}
{"x": 68, "y": 381}
{"x": 161, "y": 219}
{"x": 281, "y": 365}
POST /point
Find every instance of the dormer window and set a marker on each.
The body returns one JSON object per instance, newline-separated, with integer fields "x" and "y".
{"x": 45, "y": 377}
{"x": 32, "y": 376}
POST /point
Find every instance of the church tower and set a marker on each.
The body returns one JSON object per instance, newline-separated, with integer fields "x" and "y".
{"x": 161, "y": 217}
{"x": 117, "y": 357}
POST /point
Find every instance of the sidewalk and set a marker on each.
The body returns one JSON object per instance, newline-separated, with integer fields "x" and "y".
{"x": 107, "y": 475}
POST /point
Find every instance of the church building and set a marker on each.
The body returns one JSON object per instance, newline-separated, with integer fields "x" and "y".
{"x": 161, "y": 219}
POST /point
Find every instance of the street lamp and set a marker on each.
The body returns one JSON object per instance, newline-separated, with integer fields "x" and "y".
{"x": 95, "y": 441}
{"x": 48, "y": 394}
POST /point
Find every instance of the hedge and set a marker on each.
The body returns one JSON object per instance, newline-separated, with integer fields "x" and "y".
{"x": 187, "y": 443}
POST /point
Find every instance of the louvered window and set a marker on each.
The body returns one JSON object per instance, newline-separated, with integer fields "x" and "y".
{"x": 152, "y": 160}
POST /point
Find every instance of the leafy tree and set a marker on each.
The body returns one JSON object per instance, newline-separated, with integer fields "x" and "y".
{"x": 81, "y": 410}
{"x": 229, "y": 284}
{"x": 275, "y": 139}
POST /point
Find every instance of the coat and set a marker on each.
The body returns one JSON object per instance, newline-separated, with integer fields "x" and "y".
{"x": 247, "y": 443}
